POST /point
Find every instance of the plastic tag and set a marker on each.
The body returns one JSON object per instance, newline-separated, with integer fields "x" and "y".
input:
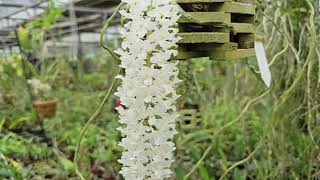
{"x": 263, "y": 63}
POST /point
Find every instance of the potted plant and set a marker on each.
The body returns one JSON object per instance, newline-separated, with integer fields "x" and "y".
{"x": 44, "y": 105}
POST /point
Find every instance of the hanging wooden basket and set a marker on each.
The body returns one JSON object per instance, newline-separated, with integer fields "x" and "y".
{"x": 46, "y": 109}
{"x": 190, "y": 117}
{"x": 226, "y": 31}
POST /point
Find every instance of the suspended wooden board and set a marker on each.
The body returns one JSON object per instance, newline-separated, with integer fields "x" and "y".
{"x": 225, "y": 31}
{"x": 189, "y": 119}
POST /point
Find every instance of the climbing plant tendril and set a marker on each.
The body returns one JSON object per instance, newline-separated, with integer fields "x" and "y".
{"x": 301, "y": 74}
{"x": 106, "y": 97}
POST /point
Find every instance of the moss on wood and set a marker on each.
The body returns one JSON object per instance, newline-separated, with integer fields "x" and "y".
{"x": 207, "y": 17}
{"x": 225, "y": 31}
{"x": 201, "y": 1}
{"x": 204, "y": 37}
{"x": 243, "y": 28}
{"x": 234, "y": 7}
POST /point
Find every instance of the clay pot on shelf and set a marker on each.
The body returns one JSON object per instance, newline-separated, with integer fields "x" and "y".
{"x": 46, "y": 109}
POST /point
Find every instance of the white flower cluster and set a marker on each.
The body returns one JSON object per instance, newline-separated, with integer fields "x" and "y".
{"x": 12, "y": 63}
{"x": 147, "y": 93}
{"x": 38, "y": 87}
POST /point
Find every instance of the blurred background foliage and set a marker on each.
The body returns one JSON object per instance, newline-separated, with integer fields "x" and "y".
{"x": 239, "y": 129}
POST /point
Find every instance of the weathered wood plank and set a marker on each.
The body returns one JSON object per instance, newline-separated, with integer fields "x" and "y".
{"x": 184, "y": 55}
{"x": 227, "y": 32}
{"x": 212, "y": 47}
{"x": 234, "y": 7}
{"x": 232, "y": 55}
{"x": 207, "y": 17}
{"x": 201, "y": 1}
{"x": 243, "y": 27}
{"x": 204, "y": 37}
{"x": 245, "y": 1}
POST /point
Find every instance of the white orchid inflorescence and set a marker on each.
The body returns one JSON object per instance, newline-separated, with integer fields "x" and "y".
{"x": 38, "y": 87}
{"x": 147, "y": 92}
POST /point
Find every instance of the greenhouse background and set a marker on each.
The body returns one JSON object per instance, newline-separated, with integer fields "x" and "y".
{"x": 59, "y": 116}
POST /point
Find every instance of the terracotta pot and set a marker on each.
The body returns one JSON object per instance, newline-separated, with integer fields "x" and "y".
{"x": 46, "y": 109}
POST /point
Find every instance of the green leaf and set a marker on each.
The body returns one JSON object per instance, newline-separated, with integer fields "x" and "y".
{"x": 67, "y": 164}
{"x": 3, "y": 120}
{"x": 204, "y": 173}
{"x": 15, "y": 122}
{"x": 180, "y": 171}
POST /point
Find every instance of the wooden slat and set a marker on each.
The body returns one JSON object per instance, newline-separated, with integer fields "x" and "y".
{"x": 204, "y": 37}
{"x": 234, "y": 7}
{"x": 213, "y": 47}
{"x": 239, "y": 54}
{"x": 246, "y": 1}
{"x": 201, "y": 1}
{"x": 232, "y": 55}
{"x": 217, "y": 55}
{"x": 208, "y": 17}
{"x": 184, "y": 55}
{"x": 243, "y": 27}
{"x": 189, "y": 111}
{"x": 216, "y": 45}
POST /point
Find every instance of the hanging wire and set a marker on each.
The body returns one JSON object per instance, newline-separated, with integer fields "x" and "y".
{"x": 74, "y": 31}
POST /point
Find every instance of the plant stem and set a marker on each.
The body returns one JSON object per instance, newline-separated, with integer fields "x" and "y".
{"x": 301, "y": 73}
{"x": 105, "y": 27}
{"x": 88, "y": 123}
{"x": 106, "y": 97}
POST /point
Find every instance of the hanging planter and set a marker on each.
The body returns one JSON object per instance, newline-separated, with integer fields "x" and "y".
{"x": 190, "y": 117}
{"x": 218, "y": 29}
{"x": 46, "y": 109}
{"x": 45, "y": 106}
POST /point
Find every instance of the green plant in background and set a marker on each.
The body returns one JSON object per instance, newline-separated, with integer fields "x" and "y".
{"x": 32, "y": 36}
{"x": 41, "y": 90}
{"x": 11, "y": 71}
{"x": 279, "y": 134}
{"x": 193, "y": 86}
{"x": 241, "y": 135}
{"x": 13, "y": 97}
{"x": 11, "y": 169}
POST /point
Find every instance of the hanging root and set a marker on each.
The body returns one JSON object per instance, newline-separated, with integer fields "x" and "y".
{"x": 240, "y": 162}
{"x": 106, "y": 97}
{"x": 103, "y": 31}
{"x": 244, "y": 110}
{"x": 301, "y": 73}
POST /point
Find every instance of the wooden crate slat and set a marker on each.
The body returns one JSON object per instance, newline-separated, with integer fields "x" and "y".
{"x": 240, "y": 54}
{"x": 208, "y": 17}
{"x": 204, "y": 37}
{"x": 189, "y": 111}
{"x": 218, "y": 55}
{"x": 240, "y": 8}
{"x": 227, "y": 32}
{"x": 189, "y": 119}
{"x": 243, "y": 27}
{"x": 201, "y": 1}
{"x": 232, "y": 55}
{"x": 186, "y": 118}
{"x": 214, "y": 46}
{"x": 183, "y": 55}
{"x": 245, "y": 1}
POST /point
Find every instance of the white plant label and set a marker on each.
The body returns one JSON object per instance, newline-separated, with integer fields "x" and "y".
{"x": 263, "y": 63}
